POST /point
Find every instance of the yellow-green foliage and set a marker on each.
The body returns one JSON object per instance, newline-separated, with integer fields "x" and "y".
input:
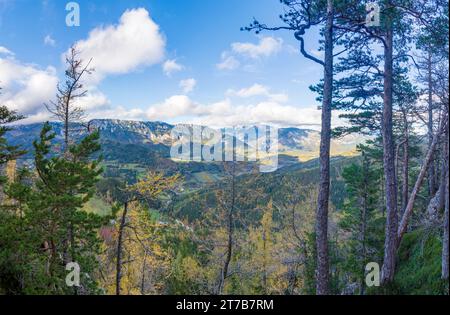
{"x": 97, "y": 206}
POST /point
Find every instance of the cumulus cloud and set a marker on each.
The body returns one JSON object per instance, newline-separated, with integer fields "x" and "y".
{"x": 188, "y": 85}
{"x": 259, "y": 113}
{"x": 49, "y": 41}
{"x": 94, "y": 100}
{"x": 117, "y": 49}
{"x": 228, "y": 62}
{"x": 118, "y": 112}
{"x": 174, "y": 106}
{"x": 135, "y": 42}
{"x": 258, "y": 90}
{"x": 182, "y": 109}
{"x": 5, "y": 51}
{"x": 26, "y": 87}
{"x": 266, "y": 47}
{"x": 171, "y": 66}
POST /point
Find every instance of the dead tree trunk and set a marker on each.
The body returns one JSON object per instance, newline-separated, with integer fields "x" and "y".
{"x": 409, "y": 208}
{"x": 322, "y": 271}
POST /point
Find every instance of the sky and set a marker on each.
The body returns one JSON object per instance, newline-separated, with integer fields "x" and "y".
{"x": 178, "y": 61}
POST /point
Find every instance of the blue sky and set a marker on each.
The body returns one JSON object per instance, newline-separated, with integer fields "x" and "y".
{"x": 189, "y": 63}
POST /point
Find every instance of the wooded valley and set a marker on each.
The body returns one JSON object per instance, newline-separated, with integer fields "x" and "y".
{"x": 369, "y": 218}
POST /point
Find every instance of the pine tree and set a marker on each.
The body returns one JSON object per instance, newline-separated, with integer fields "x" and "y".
{"x": 360, "y": 218}
{"x": 47, "y": 209}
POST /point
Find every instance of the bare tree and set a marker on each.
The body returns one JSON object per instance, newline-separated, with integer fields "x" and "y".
{"x": 224, "y": 273}
{"x": 65, "y": 108}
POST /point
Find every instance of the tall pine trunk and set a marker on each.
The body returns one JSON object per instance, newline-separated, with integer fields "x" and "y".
{"x": 445, "y": 194}
{"x": 432, "y": 169}
{"x": 363, "y": 223}
{"x": 446, "y": 234}
{"x": 322, "y": 272}
{"x": 388, "y": 269}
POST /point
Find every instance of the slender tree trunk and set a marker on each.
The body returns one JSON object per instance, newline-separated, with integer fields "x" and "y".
{"x": 226, "y": 265}
{"x": 432, "y": 167}
{"x": 445, "y": 195}
{"x": 66, "y": 129}
{"x": 144, "y": 267}
{"x": 264, "y": 261}
{"x": 409, "y": 208}
{"x": 381, "y": 202}
{"x": 445, "y": 237}
{"x": 405, "y": 166}
{"x": 322, "y": 271}
{"x": 364, "y": 223}
{"x": 444, "y": 170}
{"x": 388, "y": 269}
{"x": 119, "y": 248}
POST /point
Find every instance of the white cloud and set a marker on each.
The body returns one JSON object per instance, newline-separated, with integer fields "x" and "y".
{"x": 266, "y": 47}
{"x": 94, "y": 100}
{"x": 228, "y": 62}
{"x": 174, "y": 106}
{"x": 188, "y": 85}
{"x": 268, "y": 112}
{"x": 5, "y": 51}
{"x": 258, "y": 90}
{"x": 135, "y": 42}
{"x": 119, "y": 112}
{"x": 117, "y": 49}
{"x": 26, "y": 87}
{"x": 182, "y": 109}
{"x": 49, "y": 41}
{"x": 171, "y": 66}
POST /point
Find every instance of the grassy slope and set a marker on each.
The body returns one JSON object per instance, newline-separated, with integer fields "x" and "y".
{"x": 418, "y": 267}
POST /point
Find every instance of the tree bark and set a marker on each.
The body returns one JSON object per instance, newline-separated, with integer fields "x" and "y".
{"x": 445, "y": 194}
{"x": 226, "y": 265}
{"x": 432, "y": 167}
{"x": 119, "y": 248}
{"x": 405, "y": 166}
{"x": 363, "y": 234}
{"x": 322, "y": 271}
{"x": 388, "y": 269}
{"x": 446, "y": 232}
{"x": 415, "y": 191}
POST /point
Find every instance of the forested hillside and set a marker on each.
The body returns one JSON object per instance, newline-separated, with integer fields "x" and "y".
{"x": 358, "y": 207}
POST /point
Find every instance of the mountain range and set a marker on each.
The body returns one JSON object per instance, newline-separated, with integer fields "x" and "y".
{"x": 302, "y": 144}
